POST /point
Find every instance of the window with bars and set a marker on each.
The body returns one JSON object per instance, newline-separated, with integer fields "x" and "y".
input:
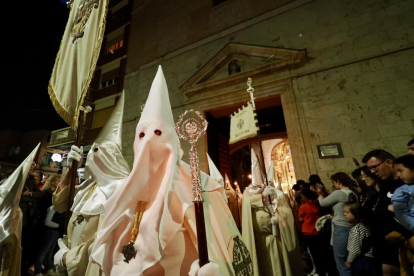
{"x": 109, "y": 78}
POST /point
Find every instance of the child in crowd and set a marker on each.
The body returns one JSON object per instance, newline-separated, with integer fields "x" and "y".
{"x": 403, "y": 197}
{"x": 309, "y": 213}
{"x": 403, "y": 206}
{"x": 361, "y": 258}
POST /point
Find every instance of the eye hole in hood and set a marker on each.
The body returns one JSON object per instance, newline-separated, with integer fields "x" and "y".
{"x": 158, "y": 132}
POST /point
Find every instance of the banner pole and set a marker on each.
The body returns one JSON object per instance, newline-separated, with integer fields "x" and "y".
{"x": 74, "y": 171}
{"x": 250, "y": 89}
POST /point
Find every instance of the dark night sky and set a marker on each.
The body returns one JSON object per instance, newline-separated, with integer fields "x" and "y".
{"x": 31, "y": 35}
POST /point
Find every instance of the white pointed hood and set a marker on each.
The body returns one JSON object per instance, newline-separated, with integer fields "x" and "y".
{"x": 156, "y": 141}
{"x": 159, "y": 178}
{"x": 152, "y": 180}
{"x": 227, "y": 182}
{"x": 10, "y": 193}
{"x": 271, "y": 175}
{"x": 229, "y": 187}
{"x": 257, "y": 176}
{"x": 105, "y": 165}
{"x": 216, "y": 175}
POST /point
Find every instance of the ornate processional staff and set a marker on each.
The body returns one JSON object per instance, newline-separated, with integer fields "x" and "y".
{"x": 250, "y": 90}
{"x": 191, "y": 130}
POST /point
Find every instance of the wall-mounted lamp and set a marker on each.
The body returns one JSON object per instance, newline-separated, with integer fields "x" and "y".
{"x": 56, "y": 157}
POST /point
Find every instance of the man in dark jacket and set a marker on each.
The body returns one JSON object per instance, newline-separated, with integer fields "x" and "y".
{"x": 381, "y": 163}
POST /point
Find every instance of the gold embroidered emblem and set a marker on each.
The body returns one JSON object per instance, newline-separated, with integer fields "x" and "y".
{"x": 79, "y": 219}
{"x": 82, "y": 16}
{"x": 240, "y": 124}
{"x": 242, "y": 262}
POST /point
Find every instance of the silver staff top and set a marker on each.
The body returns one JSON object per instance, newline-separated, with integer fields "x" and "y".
{"x": 191, "y": 129}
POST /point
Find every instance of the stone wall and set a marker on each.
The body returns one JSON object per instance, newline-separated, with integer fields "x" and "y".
{"x": 357, "y": 87}
{"x": 161, "y": 26}
{"x": 364, "y": 106}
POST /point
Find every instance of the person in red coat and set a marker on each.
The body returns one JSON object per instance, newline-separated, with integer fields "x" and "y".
{"x": 309, "y": 213}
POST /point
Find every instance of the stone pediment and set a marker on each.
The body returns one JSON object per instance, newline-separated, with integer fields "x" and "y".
{"x": 236, "y": 62}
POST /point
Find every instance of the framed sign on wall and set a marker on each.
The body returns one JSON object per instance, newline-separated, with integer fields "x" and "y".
{"x": 333, "y": 150}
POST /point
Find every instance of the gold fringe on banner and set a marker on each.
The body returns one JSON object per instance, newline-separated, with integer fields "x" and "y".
{"x": 65, "y": 114}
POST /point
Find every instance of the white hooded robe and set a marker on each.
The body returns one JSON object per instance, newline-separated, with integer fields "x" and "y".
{"x": 11, "y": 218}
{"x": 166, "y": 243}
{"x": 107, "y": 168}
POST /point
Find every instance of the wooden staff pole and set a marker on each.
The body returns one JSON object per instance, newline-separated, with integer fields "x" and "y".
{"x": 250, "y": 89}
{"x": 74, "y": 171}
{"x": 201, "y": 233}
{"x": 198, "y": 208}
{"x": 262, "y": 158}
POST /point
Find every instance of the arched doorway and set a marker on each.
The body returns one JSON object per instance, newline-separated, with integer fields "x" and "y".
{"x": 218, "y": 93}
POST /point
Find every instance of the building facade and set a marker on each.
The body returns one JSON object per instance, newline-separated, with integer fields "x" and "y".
{"x": 323, "y": 71}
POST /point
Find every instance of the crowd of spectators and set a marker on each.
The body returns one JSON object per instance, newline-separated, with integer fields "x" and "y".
{"x": 41, "y": 225}
{"x": 365, "y": 225}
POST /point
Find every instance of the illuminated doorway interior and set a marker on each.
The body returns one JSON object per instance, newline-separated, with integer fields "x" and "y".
{"x": 284, "y": 172}
{"x": 234, "y": 160}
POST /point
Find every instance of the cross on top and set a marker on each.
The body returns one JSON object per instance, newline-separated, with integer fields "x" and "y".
{"x": 250, "y": 89}
{"x": 249, "y": 84}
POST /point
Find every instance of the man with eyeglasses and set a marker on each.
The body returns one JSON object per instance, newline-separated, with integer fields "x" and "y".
{"x": 381, "y": 163}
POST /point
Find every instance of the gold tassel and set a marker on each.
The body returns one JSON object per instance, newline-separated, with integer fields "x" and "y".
{"x": 128, "y": 250}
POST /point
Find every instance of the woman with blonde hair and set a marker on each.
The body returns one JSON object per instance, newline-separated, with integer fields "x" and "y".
{"x": 51, "y": 182}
